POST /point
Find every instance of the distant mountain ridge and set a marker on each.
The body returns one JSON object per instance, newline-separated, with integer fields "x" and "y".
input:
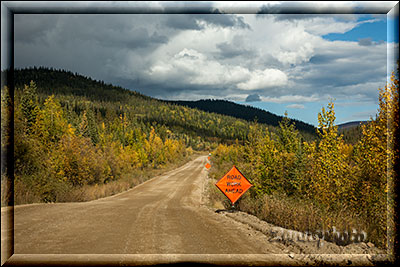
{"x": 351, "y": 131}
{"x": 244, "y": 112}
{"x": 350, "y": 124}
{"x": 52, "y": 81}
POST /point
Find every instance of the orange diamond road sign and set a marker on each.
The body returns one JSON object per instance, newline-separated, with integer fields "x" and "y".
{"x": 233, "y": 184}
{"x": 208, "y": 165}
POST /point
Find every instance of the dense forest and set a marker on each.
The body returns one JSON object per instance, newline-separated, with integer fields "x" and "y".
{"x": 245, "y": 112}
{"x": 76, "y": 92}
{"x": 351, "y": 132}
{"x": 60, "y": 82}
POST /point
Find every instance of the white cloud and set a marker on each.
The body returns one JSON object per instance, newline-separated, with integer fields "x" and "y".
{"x": 196, "y": 68}
{"x": 322, "y": 26}
{"x": 302, "y": 54}
{"x": 193, "y": 67}
{"x": 296, "y": 106}
{"x": 287, "y": 42}
{"x": 291, "y": 99}
{"x": 264, "y": 79}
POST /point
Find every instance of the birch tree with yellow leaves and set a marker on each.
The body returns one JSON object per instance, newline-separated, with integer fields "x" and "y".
{"x": 375, "y": 156}
{"x": 330, "y": 177}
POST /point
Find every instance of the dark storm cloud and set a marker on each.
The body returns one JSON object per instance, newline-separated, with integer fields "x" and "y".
{"x": 343, "y": 68}
{"x": 365, "y": 41}
{"x": 182, "y": 22}
{"x": 30, "y": 30}
{"x": 253, "y": 98}
{"x": 348, "y": 75}
{"x": 100, "y": 29}
{"x": 231, "y": 50}
{"x": 322, "y": 59}
{"x": 228, "y": 50}
{"x": 197, "y": 21}
{"x": 112, "y": 31}
{"x": 342, "y": 76}
{"x": 225, "y": 21}
{"x": 96, "y": 45}
{"x": 134, "y": 39}
{"x": 171, "y": 91}
{"x": 294, "y": 17}
{"x": 118, "y": 31}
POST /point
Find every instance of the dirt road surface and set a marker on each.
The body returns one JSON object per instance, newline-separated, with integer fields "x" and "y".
{"x": 162, "y": 220}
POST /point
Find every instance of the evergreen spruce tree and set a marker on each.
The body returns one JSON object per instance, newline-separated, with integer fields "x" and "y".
{"x": 29, "y": 104}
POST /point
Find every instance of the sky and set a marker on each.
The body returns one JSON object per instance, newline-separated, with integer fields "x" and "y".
{"x": 278, "y": 62}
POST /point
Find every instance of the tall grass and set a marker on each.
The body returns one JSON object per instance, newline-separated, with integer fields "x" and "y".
{"x": 295, "y": 214}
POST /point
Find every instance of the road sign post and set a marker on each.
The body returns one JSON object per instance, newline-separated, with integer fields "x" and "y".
{"x": 233, "y": 185}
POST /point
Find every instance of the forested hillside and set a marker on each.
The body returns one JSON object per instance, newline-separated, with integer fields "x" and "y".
{"x": 79, "y": 139}
{"x": 245, "y": 112}
{"x": 76, "y": 93}
{"x": 53, "y": 81}
{"x": 61, "y": 82}
{"x": 351, "y": 124}
{"x": 351, "y": 131}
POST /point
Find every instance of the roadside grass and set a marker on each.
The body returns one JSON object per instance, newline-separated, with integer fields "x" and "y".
{"x": 23, "y": 193}
{"x": 292, "y": 213}
{"x": 303, "y": 216}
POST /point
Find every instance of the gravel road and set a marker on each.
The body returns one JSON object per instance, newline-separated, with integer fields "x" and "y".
{"x": 163, "y": 220}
